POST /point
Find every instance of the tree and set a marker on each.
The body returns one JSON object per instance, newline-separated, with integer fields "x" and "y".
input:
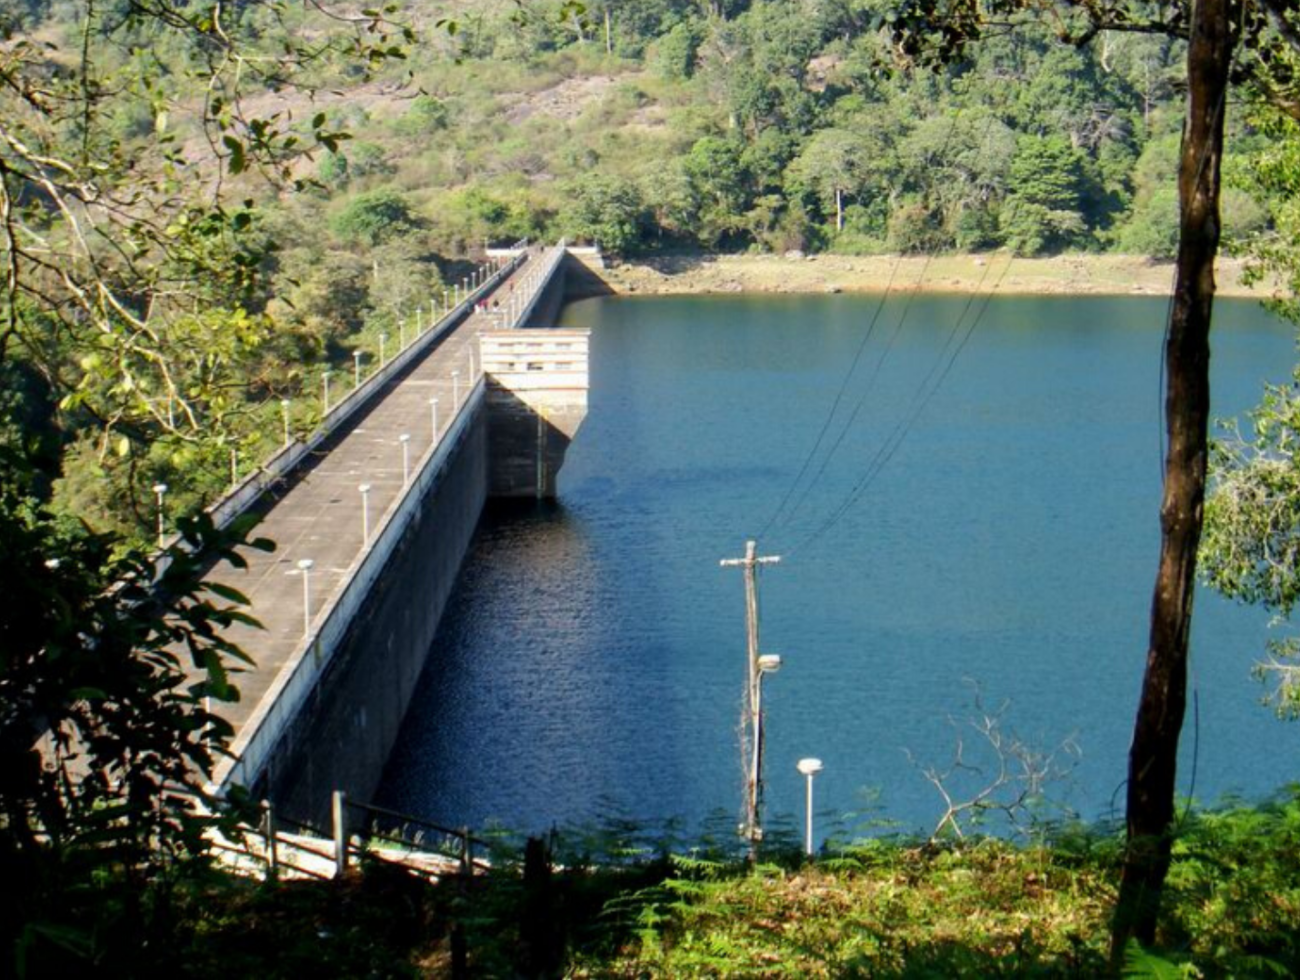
{"x": 373, "y": 217}
{"x": 1214, "y": 30}
{"x": 834, "y": 165}
{"x": 1251, "y": 548}
{"x": 1044, "y": 209}
{"x": 606, "y": 210}
{"x": 119, "y": 242}
{"x": 107, "y": 664}
{"x": 719, "y": 182}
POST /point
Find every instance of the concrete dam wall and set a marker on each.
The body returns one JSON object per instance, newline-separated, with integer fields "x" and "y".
{"x": 343, "y": 735}
{"x": 531, "y": 403}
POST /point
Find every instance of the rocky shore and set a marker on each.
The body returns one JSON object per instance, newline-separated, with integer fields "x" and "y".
{"x": 997, "y": 271}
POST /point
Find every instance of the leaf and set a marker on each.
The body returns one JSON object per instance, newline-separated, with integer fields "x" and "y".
{"x": 236, "y": 148}
{"x": 1144, "y": 964}
{"x": 228, "y": 593}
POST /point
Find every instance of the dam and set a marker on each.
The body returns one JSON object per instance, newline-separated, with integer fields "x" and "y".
{"x": 372, "y": 513}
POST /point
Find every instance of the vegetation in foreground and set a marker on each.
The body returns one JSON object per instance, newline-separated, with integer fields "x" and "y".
{"x": 886, "y": 907}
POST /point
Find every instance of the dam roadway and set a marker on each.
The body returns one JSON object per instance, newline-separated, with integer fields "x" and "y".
{"x": 321, "y": 702}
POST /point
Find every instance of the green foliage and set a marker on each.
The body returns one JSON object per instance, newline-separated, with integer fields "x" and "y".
{"x": 373, "y": 217}
{"x": 1269, "y": 171}
{"x": 675, "y": 53}
{"x": 107, "y": 665}
{"x": 426, "y": 115}
{"x": 606, "y": 211}
{"x": 1044, "y": 210}
{"x": 1250, "y": 548}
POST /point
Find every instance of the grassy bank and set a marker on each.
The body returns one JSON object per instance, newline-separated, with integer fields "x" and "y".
{"x": 999, "y": 272}
{"x": 882, "y": 908}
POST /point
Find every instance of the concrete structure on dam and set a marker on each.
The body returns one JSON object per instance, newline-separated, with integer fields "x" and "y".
{"x": 372, "y": 518}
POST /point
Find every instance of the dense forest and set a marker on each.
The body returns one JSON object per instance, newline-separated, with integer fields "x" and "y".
{"x": 356, "y": 177}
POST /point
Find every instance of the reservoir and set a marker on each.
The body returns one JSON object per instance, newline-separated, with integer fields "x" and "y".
{"x": 965, "y": 501}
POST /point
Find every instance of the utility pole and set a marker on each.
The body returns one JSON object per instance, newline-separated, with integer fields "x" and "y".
{"x": 751, "y": 716}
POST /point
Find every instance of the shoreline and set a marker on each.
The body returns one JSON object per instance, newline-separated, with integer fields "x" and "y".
{"x": 997, "y": 272}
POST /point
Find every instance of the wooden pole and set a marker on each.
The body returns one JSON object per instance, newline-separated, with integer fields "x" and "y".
{"x": 268, "y": 831}
{"x": 339, "y": 813}
{"x": 751, "y": 749}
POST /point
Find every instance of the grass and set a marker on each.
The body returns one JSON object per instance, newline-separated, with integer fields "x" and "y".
{"x": 616, "y": 905}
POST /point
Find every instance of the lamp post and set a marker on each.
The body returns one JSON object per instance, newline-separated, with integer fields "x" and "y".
{"x": 304, "y": 565}
{"x": 383, "y": 357}
{"x": 365, "y": 513}
{"x": 325, "y": 393}
{"x": 405, "y": 440}
{"x": 284, "y": 410}
{"x": 159, "y": 490}
{"x": 455, "y": 390}
{"x": 356, "y": 369}
{"x": 810, "y": 768}
{"x": 768, "y": 663}
{"x": 234, "y": 468}
{"x": 401, "y": 334}
{"x": 433, "y": 418}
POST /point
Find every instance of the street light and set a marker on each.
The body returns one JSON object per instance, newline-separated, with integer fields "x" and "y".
{"x": 767, "y": 663}
{"x": 284, "y": 410}
{"x": 810, "y": 768}
{"x": 405, "y": 440}
{"x": 433, "y": 418}
{"x": 356, "y": 369}
{"x": 325, "y": 394}
{"x": 365, "y": 512}
{"x": 160, "y": 489}
{"x": 383, "y": 358}
{"x": 305, "y": 564}
{"x": 455, "y": 390}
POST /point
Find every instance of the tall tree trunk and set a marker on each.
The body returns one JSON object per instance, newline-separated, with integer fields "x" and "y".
{"x": 1154, "y": 754}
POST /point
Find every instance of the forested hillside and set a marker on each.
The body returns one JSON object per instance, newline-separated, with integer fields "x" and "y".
{"x": 331, "y": 170}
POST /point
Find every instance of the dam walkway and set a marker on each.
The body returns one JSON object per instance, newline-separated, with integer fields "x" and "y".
{"x": 339, "y": 501}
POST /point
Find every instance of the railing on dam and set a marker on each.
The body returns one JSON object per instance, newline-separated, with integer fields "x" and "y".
{"x": 243, "y": 495}
{"x": 288, "y": 686}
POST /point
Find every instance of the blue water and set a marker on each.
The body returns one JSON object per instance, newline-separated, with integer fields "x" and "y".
{"x": 1000, "y": 533}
